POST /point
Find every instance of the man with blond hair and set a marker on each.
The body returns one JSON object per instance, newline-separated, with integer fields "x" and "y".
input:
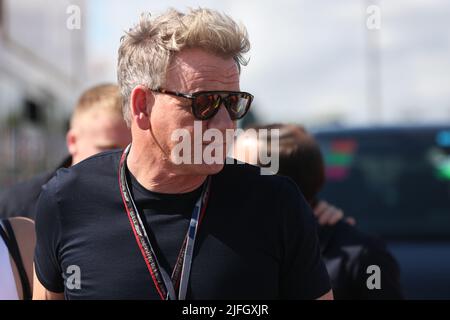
{"x": 96, "y": 125}
{"x": 140, "y": 224}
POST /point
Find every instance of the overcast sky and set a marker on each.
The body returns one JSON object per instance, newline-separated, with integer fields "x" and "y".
{"x": 308, "y": 61}
{"x": 308, "y": 58}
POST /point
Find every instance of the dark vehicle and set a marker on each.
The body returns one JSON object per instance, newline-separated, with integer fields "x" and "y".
{"x": 396, "y": 182}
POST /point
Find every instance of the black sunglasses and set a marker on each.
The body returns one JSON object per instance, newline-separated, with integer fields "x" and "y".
{"x": 206, "y": 104}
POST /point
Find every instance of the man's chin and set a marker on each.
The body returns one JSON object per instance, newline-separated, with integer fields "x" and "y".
{"x": 214, "y": 168}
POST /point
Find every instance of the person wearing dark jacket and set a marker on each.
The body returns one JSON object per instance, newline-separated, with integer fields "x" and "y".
{"x": 96, "y": 125}
{"x": 349, "y": 254}
{"x": 19, "y": 199}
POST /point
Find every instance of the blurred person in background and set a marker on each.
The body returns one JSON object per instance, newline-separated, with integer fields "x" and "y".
{"x": 96, "y": 125}
{"x": 139, "y": 225}
{"x": 347, "y": 252}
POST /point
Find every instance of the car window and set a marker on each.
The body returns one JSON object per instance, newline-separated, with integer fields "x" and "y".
{"x": 396, "y": 184}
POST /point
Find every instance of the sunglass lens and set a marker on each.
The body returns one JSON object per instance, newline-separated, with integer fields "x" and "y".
{"x": 206, "y": 105}
{"x": 238, "y": 105}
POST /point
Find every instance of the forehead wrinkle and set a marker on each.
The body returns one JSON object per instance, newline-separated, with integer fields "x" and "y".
{"x": 191, "y": 82}
{"x": 233, "y": 69}
{"x": 212, "y": 68}
{"x": 187, "y": 65}
{"x": 189, "y": 77}
{"x": 214, "y": 75}
{"x": 208, "y": 69}
{"x": 200, "y": 82}
{"x": 212, "y": 72}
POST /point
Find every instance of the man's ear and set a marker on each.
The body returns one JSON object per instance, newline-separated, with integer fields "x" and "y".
{"x": 71, "y": 142}
{"x": 141, "y": 103}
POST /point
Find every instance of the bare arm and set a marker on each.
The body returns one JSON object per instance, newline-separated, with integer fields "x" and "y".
{"x": 327, "y": 296}
{"x": 23, "y": 229}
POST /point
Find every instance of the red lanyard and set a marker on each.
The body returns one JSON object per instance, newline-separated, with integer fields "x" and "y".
{"x": 165, "y": 285}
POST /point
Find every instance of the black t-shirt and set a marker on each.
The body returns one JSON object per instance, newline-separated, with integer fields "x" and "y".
{"x": 257, "y": 240}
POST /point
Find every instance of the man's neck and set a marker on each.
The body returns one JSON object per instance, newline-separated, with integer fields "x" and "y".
{"x": 157, "y": 175}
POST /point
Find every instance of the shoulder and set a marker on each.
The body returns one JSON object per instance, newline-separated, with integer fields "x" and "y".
{"x": 252, "y": 178}
{"x": 86, "y": 174}
{"x": 99, "y": 164}
{"x": 22, "y": 224}
{"x": 264, "y": 195}
{"x": 19, "y": 199}
{"x": 33, "y": 184}
{"x": 22, "y": 227}
{"x": 73, "y": 193}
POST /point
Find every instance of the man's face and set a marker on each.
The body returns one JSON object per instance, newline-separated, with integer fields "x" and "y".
{"x": 193, "y": 70}
{"x": 97, "y": 131}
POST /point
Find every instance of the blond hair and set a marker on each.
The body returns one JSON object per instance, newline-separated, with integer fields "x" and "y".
{"x": 146, "y": 50}
{"x": 105, "y": 97}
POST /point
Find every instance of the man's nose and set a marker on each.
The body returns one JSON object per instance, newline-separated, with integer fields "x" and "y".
{"x": 221, "y": 120}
